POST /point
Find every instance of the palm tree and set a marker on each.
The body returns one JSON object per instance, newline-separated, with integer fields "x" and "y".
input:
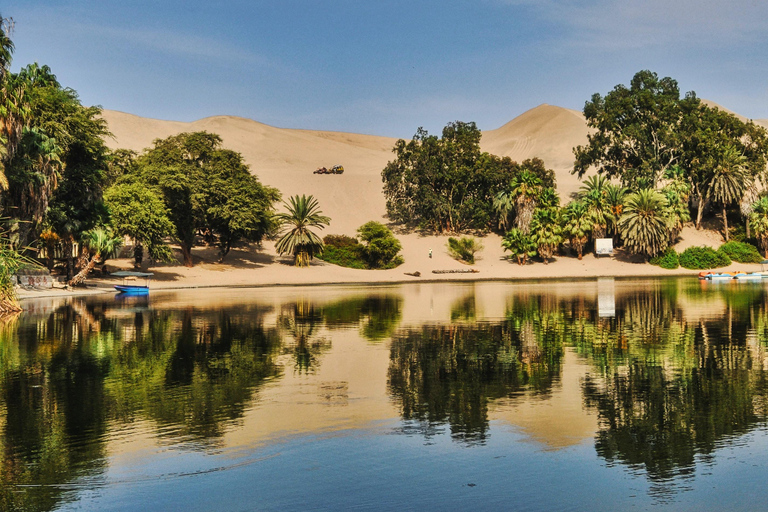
{"x": 101, "y": 242}
{"x": 6, "y": 46}
{"x": 644, "y": 223}
{"x": 546, "y": 231}
{"x": 729, "y": 181}
{"x": 758, "y": 222}
{"x": 520, "y": 244}
{"x": 525, "y": 188}
{"x": 614, "y": 197}
{"x": 503, "y": 204}
{"x": 594, "y": 193}
{"x": 579, "y": 223}
{"x": 303, "y": 213}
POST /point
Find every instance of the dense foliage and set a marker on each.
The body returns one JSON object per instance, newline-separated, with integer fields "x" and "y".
{"x": 344, "y": 251}
{"x": 205, "y": 190}
{"x": 668, "y": 259}
{"x": 447, "y": 184}
{"x": 381, "y": 247}
{"x": 380, "y": 250}
{"x": 741, "y": 252}
{"x": 703, "y": 258}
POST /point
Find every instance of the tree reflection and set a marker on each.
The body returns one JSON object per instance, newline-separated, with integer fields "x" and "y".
{"x": 448, "y": 374}
{"x": 67, "y": 375}
{"x": 377, "y": 315}
{"x": 301, "y": 320}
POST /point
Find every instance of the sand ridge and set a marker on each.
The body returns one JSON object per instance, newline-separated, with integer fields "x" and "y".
{"x": 286, "y": 158}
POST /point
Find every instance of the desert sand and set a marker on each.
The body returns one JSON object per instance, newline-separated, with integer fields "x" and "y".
{"x": 286, "y": 158}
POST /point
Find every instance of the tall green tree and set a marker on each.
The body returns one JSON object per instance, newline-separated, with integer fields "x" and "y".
{"x": 578, "y": 224}
{"x": 175, "y": 165}
{"x": 303, "y": 213}
{"x": 138, "y": 212}
{"x": 644, "y": 223}
{"x": 447, "y": 184}
{"x": 546, "y": 231}
{"x": 758, "y": 223}
{"x": 235, "y": 206}
{"x": 635, "y": 130}
{"x": 706, "y": 133}
{"x": 729, "y": 180}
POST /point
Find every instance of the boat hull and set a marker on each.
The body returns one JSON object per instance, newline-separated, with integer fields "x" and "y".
{"x": 133, "y": 289}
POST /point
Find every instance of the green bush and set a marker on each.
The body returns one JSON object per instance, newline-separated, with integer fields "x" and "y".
{"x": 741, "y": 252}
{"x": 379, "y": 253}
{"x": 464, "y": 248}
{"x": 703, "y": 258}
{"x": 382, "y": 246}
{"x": 343, "y": 251}
{"x": 668, "y": 259}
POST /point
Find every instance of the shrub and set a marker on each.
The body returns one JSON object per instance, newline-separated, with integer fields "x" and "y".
{"x": 668, "y": 259}
{"x": 702, "y": 258}
{"x": 344, "y": 251}
{"x": 464, "y": 248}
{"x": 741, "y": 252}
{"x": 379, "y": 253}
{"x": 382, "y": 246}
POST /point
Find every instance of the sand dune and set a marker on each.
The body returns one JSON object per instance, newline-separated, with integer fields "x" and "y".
{"x": 286, "y": 158}
{"x": 547, "y": 132}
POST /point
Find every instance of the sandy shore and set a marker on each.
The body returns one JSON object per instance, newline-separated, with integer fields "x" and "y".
{"x": 260, "y": 267}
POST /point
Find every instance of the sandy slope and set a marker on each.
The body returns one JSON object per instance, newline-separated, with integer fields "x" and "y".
{"x": 285, "y": 158}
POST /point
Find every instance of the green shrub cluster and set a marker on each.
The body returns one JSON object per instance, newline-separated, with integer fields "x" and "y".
{"x": 741, "y": 252}
{"x": 703, "y": 258}
{"x": 380, "y": 251}
{"x": 343, "y": 251}
{"x": 668, "y": 259}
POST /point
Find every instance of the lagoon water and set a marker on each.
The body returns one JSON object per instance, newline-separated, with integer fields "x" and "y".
{"x": 581, "y": 395}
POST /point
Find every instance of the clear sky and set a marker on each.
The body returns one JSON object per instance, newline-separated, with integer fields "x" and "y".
{"x": 386, "y": 67}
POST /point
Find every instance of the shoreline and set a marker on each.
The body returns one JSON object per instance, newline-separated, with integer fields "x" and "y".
{"x": 103, "y": 287}
{"x": 261, "y": 267}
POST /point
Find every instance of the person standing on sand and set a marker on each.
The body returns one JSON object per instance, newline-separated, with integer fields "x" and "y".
{"x": 430, "y": 253}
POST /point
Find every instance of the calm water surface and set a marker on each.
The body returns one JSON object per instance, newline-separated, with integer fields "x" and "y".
{"x": 587, "y": 395}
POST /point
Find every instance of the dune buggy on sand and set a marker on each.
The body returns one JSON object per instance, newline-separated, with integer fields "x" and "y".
{"x": 336, "y": 169}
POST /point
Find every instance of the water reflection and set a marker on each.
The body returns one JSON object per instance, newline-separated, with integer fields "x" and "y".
{"x": 674, "y": 373}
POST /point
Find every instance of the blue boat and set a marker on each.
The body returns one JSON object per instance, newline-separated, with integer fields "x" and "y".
{"x": 133, "y": 289}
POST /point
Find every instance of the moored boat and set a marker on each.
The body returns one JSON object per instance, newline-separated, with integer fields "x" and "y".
{"x": 128, "y": 287}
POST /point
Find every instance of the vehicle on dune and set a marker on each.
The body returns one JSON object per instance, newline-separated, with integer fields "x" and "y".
{"x": 336, "y": 169}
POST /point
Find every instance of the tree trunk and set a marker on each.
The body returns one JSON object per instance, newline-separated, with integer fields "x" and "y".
{"x": 79, "y": 279}
{"x": 223, "y": 252}
{"x": 725, "y": 222}
{"x": 70, "y": 259}
{"x": 138, "y": 254}
{"x": 700, "y": 212}
{"x": 186, "y": 252}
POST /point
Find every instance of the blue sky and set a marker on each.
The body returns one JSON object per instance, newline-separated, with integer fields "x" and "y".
{"x": 387, "y": 67}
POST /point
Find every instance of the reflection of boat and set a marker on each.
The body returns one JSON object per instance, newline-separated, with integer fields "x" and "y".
{"x": 129, "y": 276}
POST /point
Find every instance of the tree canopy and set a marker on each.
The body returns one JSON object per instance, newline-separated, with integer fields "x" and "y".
{"x": 447, "y": 184}
{"x": 206, "y": 190}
